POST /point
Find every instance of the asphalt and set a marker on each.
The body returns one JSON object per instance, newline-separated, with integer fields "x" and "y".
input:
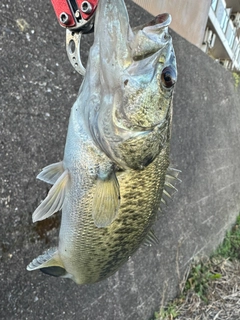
{"x": 37, "y": 89}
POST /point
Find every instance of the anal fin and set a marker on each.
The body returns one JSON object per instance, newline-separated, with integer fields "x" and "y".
{"x": 49, "y": 258}
{"x": 106, "y": 201}
{"x": 49, "y": 263}
{"x": 54, "y": 200}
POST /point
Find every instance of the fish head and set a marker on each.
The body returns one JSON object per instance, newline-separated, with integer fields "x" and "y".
{"x": 149, "y": 81}
{"x": 132, "y": 81}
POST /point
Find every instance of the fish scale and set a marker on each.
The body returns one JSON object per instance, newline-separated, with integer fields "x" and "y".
{"x": 140, "y": 191}
{"x": 116, "y": 161}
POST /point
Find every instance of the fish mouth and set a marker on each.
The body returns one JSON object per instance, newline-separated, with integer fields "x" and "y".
{"x": 163, "y": 19}
{"x": 160, "y": 21}
{"x": 151, "y": 37}
{"x": 119, "y": 44}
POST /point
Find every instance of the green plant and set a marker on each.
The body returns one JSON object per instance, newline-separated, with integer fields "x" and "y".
{"x": 199, "y": 279}
{"x": 203, "y": 273}
{"x": 169, "y": 313}
{"x": 230, "y": 248}
{"x": 236, "y": 77}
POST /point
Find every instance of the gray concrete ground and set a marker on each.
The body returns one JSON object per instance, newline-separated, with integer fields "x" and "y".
{"x": 38, "y": 88}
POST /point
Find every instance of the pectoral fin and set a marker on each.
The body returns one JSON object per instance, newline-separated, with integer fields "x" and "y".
{"x": 106, "y": 201}
{"x": 54, "y": 200}
{"x": 48, "y": 263}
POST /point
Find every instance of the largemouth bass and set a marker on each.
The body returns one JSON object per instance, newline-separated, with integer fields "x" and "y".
{"x": 116, "y": 161}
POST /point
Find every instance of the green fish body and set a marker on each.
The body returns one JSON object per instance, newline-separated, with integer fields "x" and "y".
{"x": 116, "y": 161}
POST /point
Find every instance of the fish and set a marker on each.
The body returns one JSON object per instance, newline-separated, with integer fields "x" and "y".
{"x": 115, "y": 172}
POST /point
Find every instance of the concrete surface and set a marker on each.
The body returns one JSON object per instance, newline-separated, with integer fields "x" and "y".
{"x": 38, "y": 88}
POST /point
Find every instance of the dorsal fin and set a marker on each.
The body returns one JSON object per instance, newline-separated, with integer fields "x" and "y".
{"x": 169, "y": 188}
{"x": 54, "y": 200}
{"x": 172, "y": 174}
{"x": 150, "y": 239}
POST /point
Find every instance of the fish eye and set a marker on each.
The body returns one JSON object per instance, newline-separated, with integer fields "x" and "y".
{"x": 168, "y": 77}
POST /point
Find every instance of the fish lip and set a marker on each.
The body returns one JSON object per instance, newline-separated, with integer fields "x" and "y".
{"x": 151, "y": 37}
{"x": 162, "y": 20}
{"x": 158, "y": 25}
{"x": 112, "y": 27}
